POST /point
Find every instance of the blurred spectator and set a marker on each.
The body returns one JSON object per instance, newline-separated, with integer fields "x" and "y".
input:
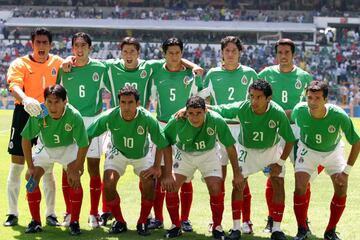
{"x": 4, "y": 96}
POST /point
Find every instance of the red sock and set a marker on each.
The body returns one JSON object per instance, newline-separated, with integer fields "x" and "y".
{"x": 65, "y": 190}
{"x": 76, "y": 196}
{"x": 223, "y": 188}
{"x": 172, "y": 205}
{"x": 269, "y": 191}
{"x": 337, "y": 207}
{"x": 95, "y": 192}
{"x": 217, "y": 208}
{"x": 278, "y": 211}
{"x": 34, "y": 199}
{"x": 320, "y": 169}
{"x": 236, "y": 207}
{"x": 186, "y": 197}
{"x": 246, "y": 209}
{"x": 114, "y": 206}
{"x": 105, "y": 207}
{"x": 300, "y": 209}
{"x": 308, "y": 196}
{"x": 146, "y": 206}
{"x": 159, "y": 201}
{"x": 140, "y": 186}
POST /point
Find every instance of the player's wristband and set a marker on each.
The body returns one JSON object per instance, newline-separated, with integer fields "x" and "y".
{"x": 280, "y": 162}
{"x": 347, "y": 169}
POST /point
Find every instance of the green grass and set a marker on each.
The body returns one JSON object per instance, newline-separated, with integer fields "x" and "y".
{"x": 200, "y": 213}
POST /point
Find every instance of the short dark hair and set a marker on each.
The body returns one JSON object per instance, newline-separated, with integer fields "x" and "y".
{"x": 231, "y": 39}
{"x": 129, "y": 90}
{"x": 172, "y": 42}
{"x": 41, "y": 31}
{"x": 57, "y": 90}
{"x": 263, "y": 86}
{"x": 130, "y": 41}
{"x": 317, "y": 86}
{"x": 83, "y": 35}
{"x": 285, "y": 41}
{"x": 195, "y": 102}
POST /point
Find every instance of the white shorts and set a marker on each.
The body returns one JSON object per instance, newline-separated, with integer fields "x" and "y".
{"x": 308, "y": 160}
{"x": 224, "y": 159}
{"x": 296, "y": 132}
{"x": 45, "y": 157}
{"x": 186, "y": 163}
{"x": 255, "y": 160}
{"x": 114, "y": 160}
{"x": 95, "y": 148}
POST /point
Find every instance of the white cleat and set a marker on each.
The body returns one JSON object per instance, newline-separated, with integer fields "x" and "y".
{"x": 93, "y": 221}
{"x": 67, "y": 218}
{"x": 247, "y": 227}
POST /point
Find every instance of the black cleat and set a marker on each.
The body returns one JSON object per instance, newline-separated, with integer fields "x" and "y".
{"x": 118, "y": 227}
{"x": 33, "y": 227}
{"x": 234, "y": 234}
{"x": 173, "y": 232}
{"x": 218, "y": 235}
{"x": 74, "y": 228}
{"x": 12, "y": 220}
{"x": 142, "y": 229}
{"x": 186, "y": 226}
{"x": 52, "y": 221}
{"x": 269, "y": 225}
{"x": 104, "y": 217}
{"x": 155, "y": 224}
{"x": 308, "y": 226}
{"x": 302, "y": 234}
{"x": 278, "y": 235}
{"x": 331, "y": 235}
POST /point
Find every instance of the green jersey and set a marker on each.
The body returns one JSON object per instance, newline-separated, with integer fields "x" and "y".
{"x": 84, "y": 86}
{"x": 172, "y": 90}
{"x": 131, "y": 138}
{"x": 67, "y": 130}
{"x": 258, "y": 131}
{"x": 288, "y": 88}
{"x": 323, "y": 134}
{"x": 120, "y": 76}
{"x": 197, "y": 139}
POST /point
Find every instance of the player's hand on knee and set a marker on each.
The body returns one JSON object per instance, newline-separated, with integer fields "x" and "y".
{"x": 31, "y": 106}
{"x": 151, "y": 172}
{"x": 341, "y": 178}
{"x": 168, "y": 183}
{"x": 238, "y": 182}
{"x": 275, "y": 170}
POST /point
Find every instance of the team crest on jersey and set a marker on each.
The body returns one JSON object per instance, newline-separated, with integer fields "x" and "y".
{"x": 244, "y": 80}
{"x": 140, "y": 130}
{"x": 95, "y": 77}
{"x": 53, "y": 72}
{"x": 143, "y": 74}
{"x": 298, "y": 84}
{"x": 186, "y": 80}
{"x": 272, "y": 124}
{"x": 331, "y": 129}
{"x": 210, "y": 131}
{"x": 68, "y": 127}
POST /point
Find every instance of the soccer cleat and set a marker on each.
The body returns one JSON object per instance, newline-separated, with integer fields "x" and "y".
{"x": 173, "y": 232}
{"x": 74, "y": 228}
{"x": 51, "y": 220}
{"x": 308, "y": 226}
{"x": 278, "y": 235}
{"x": 247, "y": 227}
{"x": 210, "y": 226}
{"x": 66, "y": 222}
{"x": 302, "y": 234}
{"x": 155, "y": 224}
{"x": 234, "y": 234}
{"x": 218, "y": 234}
{"x": 104, "y": 217}
{"x": 269, "y": 225}
{"x": 118, "y": 227}
{"x": 93, "y": 221}
{"x": 331, "y": 235}
{"x": 12, "y": 220}
{"x": 33, "y": 227}
{"x": 186, "y": 226}
{"x": 142, "y": 229}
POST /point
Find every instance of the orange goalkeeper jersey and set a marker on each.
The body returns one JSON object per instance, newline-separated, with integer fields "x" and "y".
{"x": 33, "y": 77}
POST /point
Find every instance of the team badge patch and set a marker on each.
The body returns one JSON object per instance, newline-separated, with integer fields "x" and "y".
{"x": 298, "y": 84}
{"x": 244, "y": 80}
{"x": 68, "y": 127}
{"x": 53, "y": 72}
{"x": 186, "y": 80}
{"x": 272, "y": 124}
{"x": 140, "y": 130}
{"x": 143, "y": 74}
{"x": 95, "y": 77}
{"x": 331, "y": 129}
{"x": 210, "y": 131}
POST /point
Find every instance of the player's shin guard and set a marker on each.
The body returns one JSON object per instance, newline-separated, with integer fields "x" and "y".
{"x": 217, "y": 208}
{"x": 114, "y": 206}
{"x": 66, "y": 191}
{"x": 277, "y": 215}
{"x": 13, "y": 187}
{"x": 49, "y": 192}
{"x": 105, "y": 207}
{"x": 34, "y": 199}
{"x": 236, "y": 206}
{"x": 172, "y": 205}
{"x": 159, "y": 201}
{"x": 76, "y": 196}
{"x": 269, "y": 191}
{"x": 246, "y": 209}
{"x": 300, "y": 209}
{"x": 146, "y": 206}
{"x": 186, "y": 197}
{"x": 95, "y": 192}
{"x": 308, "y": 196}
{"x": 337, "y": 207}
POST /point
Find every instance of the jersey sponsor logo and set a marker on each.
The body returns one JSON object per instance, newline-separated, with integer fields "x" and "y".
{"x": 95, "y": 77}
{"x": 247, "y": 122}
{"x": 272, "y": 124}
{"x": 140, "y": 130}
{"x": 143, "y": 74}
{"x": 331, "y": 129}
{"x": 70, "y": 78}
{"x": 298, "y": 84}
{"x": 68, "y": 127}
{"x": 210, "y": 131}
{"x": 244, "y": 80}
{"x": 116, "y": 129}
{"x": 218, "y": 79}
{"x": 53, "y": 72}
{"x": 162, "y": 81}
